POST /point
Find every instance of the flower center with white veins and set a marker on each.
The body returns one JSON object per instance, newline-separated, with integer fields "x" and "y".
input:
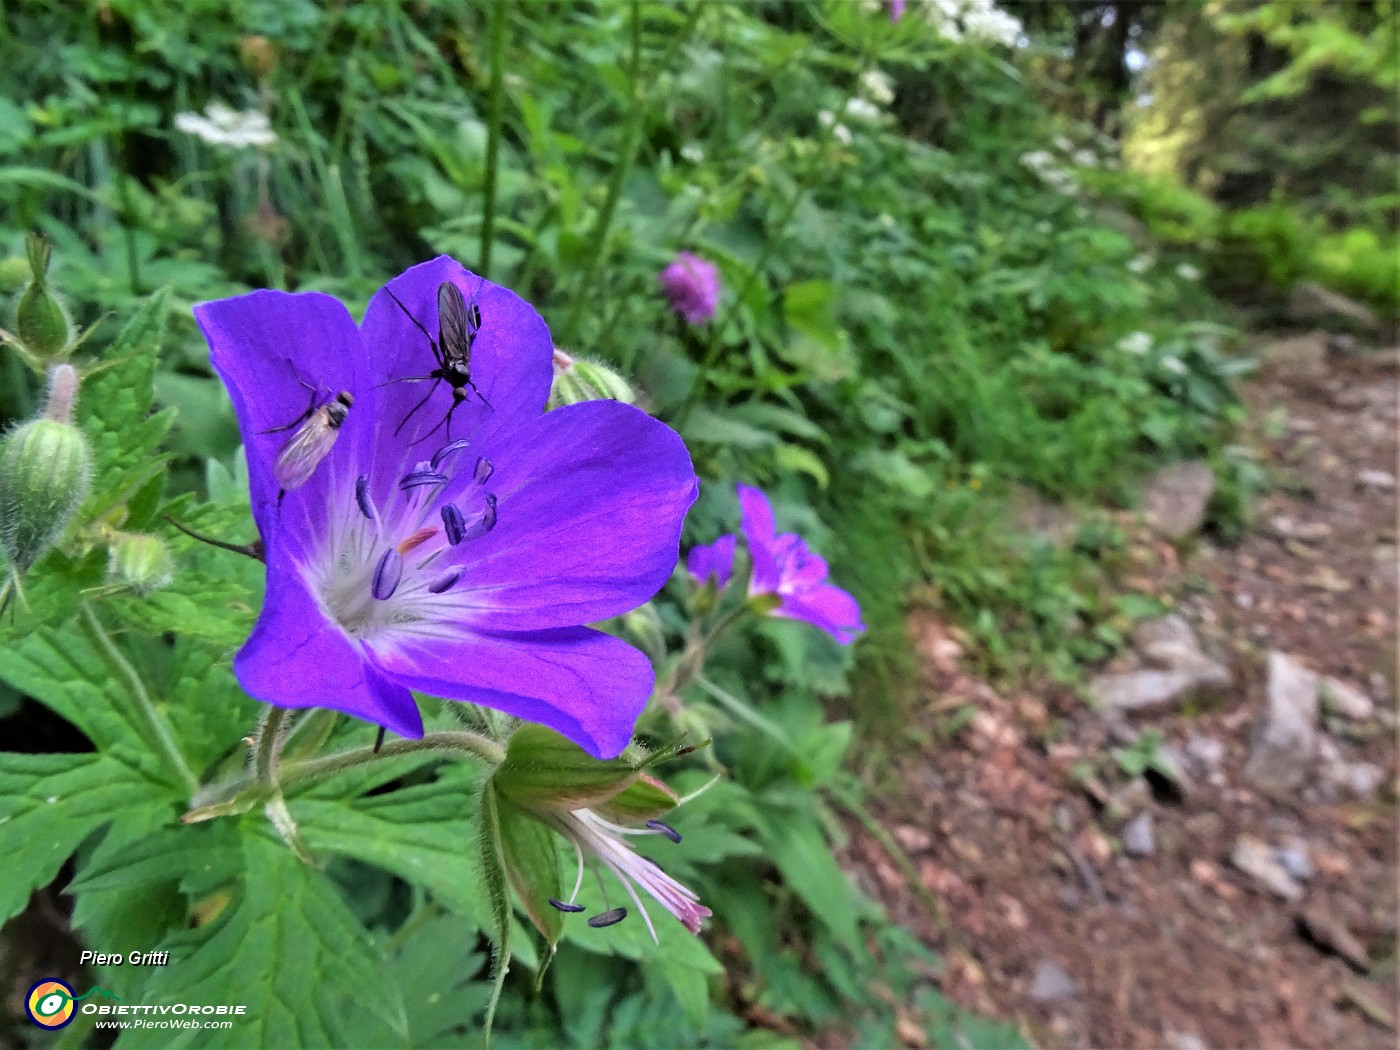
{"x": 382, "y": 570}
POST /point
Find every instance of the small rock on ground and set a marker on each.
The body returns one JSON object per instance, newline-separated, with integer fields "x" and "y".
{"x": 1312, "y": 303}
{"x": 1257, "y": 860}
{"x": 1051, "y": 983}
{"x": 1331, "y": 934}
{"x": 1344, "y": 699}
{"x": 1137, "y": 835}
{"x": 1176, "y": 497}
{"x": 1132, "y": 692}
{"x": 1286, "y": 739}
{"x": 1376, "y": 479}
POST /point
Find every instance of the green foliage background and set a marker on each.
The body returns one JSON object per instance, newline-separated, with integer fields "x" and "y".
{"x": 918, "y": 321}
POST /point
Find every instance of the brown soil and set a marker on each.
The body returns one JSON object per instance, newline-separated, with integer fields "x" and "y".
{"x": 1018, "y": 852}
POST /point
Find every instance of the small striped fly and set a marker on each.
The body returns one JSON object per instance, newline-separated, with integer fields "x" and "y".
{"x": 316, "y": 431}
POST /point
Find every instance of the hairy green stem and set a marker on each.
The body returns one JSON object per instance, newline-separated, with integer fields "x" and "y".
{"x": 459, "y": 741}
{"x": 627, "y": 154}
{"x": 267, "y": 746}
{"x": 145, "y": 710}
{"x": 494, "y": 107}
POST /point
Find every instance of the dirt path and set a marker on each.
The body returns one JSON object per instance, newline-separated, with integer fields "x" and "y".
{"x": 1065, "y": 908}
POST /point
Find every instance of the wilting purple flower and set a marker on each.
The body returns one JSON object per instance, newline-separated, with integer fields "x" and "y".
{"x": 601, "y": 840}
{"x": 461, "y": 568}
{"x": 895, "y": 8}
{"x": 692, "y": 285}
{"x": 784, "y": 567}
{"x": 714, "y": 561}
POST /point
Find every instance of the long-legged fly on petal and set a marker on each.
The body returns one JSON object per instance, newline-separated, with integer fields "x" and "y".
{"x": 459, "y": 323}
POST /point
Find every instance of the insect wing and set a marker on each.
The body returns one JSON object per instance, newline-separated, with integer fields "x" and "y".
{"x": 303, "y": 453}
{"x": 455, "y": 331}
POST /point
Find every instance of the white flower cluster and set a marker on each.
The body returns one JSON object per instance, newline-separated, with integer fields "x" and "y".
{"x": 877, "y": 86}
{"x": 977, "y": 21}
{"x": 221, "y": 126}
{"x": 1048, "y": 168}
{"x": 1136, "y": 343}
{"x": 841, "y": 133}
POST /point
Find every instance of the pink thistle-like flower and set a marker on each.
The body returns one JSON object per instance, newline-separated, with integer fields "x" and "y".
{"x": 692, "y": 286}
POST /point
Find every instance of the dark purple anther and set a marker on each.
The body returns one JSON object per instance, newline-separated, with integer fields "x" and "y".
{"x": 447, "y": 450}
{"x": 608, "y": 918}
{"x": 665, "y": 829}
{"x": 387, "y": 575}
{"x": 417, "y": 478}
{"x": 485, "y": 523}
{"x": 483, "y": 471}
{"x": 445, "y": 582}
{"x": 570, "y": 908}
{"x": 362, "y": 496}
{"x": 452, "y": 522}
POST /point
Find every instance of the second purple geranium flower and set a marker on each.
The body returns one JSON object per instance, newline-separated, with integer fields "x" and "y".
{"x": 463, "y": 566}
{"x": 784, "y": 569}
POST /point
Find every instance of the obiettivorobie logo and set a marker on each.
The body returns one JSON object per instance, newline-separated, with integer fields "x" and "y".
{"x": 50, "y": 1002}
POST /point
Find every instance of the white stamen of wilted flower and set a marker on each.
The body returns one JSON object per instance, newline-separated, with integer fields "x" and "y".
{"x": 1136, "y": 343}
{"x": 1187, "y": 272}
{"x": 604, "y": 841}
{"x": 221, "y": 126}
{"x": 878, "y": 86}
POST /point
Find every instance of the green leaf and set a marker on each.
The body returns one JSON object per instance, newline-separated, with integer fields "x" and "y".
{"x": 531, "y": 853}
{"x": 795, "y": 458}
{"x": 798, "y": 848}
{"x": 114, "y": 411}
{"x": 712, "y": 428}
{"x": 289, "y": 950}
{"x": 50, "y": 803}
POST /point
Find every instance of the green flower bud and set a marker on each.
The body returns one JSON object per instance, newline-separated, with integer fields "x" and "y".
{"x": 14, "y": 271}
{"x": 42, "y": 323}
{"x": 544, "y": 770}
{"x": 139, "y": 562}
{"x": 577, "y": 380}
{"x": 44, "y": 466}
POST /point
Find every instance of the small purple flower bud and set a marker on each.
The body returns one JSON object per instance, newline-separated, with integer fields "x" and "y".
{"x": 665, "y": 829}
{"x": 387, "y": 575}
{"x": 453, "y": 524}
{"x": 692, "y": 286}
{"x": 447, "y": 450}
{"x": 445, "y": 583}
{"x": 570, "y": 908}
{"x": 418, "y": 478}
{"x": 485, "y": 523}
{"x": 483, "y": 471}
{"x": 608, "y": 918}
{"x": 895, "y": 9}
{"x": 362, "y": 496}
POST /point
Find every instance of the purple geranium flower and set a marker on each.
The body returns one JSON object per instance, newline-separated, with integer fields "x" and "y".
{"x": 460, "y": 564}
{"x": 692, "y": 285}
{"x": 895, "y": 9}
{"x": 784, "y": 567}
{"x": 714, "y": 561}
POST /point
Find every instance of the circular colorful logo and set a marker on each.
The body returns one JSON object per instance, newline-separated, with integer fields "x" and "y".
{"x": 50, "y": 1004}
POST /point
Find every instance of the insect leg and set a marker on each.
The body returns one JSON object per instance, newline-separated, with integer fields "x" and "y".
{"x": 415, "y": 408}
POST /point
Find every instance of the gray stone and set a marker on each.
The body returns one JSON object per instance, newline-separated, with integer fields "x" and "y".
{"x": 1051, "y": 983}
{"x": 1137, "y": 692}
{"x": 1168, "y": 642}
{"x": 1376, "y": 479}
{"x": 1293, "y": 856}
{"x": 1303, "y": 531}
{"x": 1257, "y": 860}
{"x": 1341, "y": 698}
{"x": 1361, "y": 779}
{"x": 1298, "y": 357}
{"x": 1285, "y": 741}
{"x": 1311, "y": 303}
{"x": 1177, "y": 496}
{"x": 1137, "y": 836}
{"x": 1206, "y": 752}
{"x": 1174, "y": 1040}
